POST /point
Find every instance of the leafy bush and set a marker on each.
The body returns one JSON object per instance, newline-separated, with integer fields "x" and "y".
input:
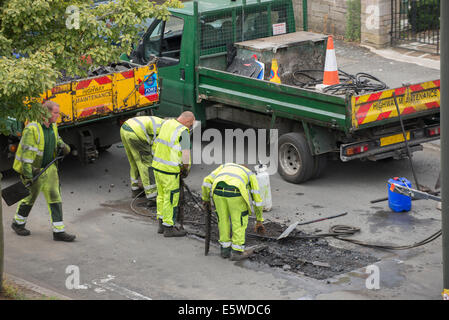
{"x": 353, "y": 23}
{"x": 424, "y": 15}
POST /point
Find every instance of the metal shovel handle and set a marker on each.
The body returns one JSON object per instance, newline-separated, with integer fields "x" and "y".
{"x": 43, "y": 170}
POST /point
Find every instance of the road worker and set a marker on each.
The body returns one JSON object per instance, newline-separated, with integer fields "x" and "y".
{"x": 137, "y": 136}
{"x": 170, "y": 162}
{"x": 40, "y": 144}
{"x": 235, "y": 194}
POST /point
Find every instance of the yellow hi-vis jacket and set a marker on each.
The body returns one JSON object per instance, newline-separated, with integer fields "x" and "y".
{"x": 146, "y": 128}
{"x": 167, "y": 154}
{"x": 31, "y": 149}
{"x": 240, "y": 177}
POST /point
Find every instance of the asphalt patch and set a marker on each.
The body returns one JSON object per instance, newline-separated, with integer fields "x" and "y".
{"x": 314, "y": 258}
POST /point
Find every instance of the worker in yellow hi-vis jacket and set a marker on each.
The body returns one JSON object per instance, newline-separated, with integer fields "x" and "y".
{"x": 138, "y": 135}
{"x": 170, "y": 162}
{"x": 39, "y": 145}
{"x": 235, "y": 192}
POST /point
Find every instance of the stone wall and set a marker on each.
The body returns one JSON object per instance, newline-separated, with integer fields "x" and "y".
{"x": 376, "y": 22}
{"x": 329, "y": 17}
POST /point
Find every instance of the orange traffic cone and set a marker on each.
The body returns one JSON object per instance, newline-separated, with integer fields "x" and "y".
{"x": 274, "y": 74}
{"x": 330, "y": 67}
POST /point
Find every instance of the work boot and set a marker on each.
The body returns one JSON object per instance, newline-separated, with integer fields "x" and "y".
{"x": 151, "y": 203}
{"x": 63, "y": 236}
{"x": 20, "y": 229}
{"x": 225, "y": 252}
{"x": 173, "y": 232}
{"x": 138, "y": 192}
{"x": 160, "y": 229}
{"x": 238, "y": 255}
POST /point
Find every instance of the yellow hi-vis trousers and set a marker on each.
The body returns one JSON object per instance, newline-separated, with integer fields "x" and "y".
{"x": 232, "y": 210}
{"x": 140, "y": 159}
{"x": 48, "y": 183}
{"x": 167, "y": 200}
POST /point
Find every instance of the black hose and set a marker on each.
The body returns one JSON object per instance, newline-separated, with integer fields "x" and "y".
{"x": 360, "y": 83}
{"x": 339, "y": 232}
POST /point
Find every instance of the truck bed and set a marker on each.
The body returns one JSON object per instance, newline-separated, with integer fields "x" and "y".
{"x": 346, "y": 114}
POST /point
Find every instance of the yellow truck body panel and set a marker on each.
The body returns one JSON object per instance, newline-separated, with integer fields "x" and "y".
{"x": 112, "y": 93}
{"x": 380, "y": 106}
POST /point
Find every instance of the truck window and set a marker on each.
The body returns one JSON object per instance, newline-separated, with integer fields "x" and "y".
{"x": 217, "y": 30}
{"x": 163, "y": 39}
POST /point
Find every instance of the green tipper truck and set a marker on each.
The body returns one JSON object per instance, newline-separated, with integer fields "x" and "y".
{"x": 197, "y": 45}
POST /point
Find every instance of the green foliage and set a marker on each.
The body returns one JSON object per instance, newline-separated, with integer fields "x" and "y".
{"x": 424, "y": 15}
{"x": 353, "y": 20}
{"x": 38, "y": 30}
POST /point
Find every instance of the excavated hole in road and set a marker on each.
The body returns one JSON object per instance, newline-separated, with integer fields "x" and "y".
{"x": 313, "y": 258}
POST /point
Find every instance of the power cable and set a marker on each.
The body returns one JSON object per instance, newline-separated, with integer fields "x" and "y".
{"x": 356, "y": 84}
{"x": 339, "y": 232}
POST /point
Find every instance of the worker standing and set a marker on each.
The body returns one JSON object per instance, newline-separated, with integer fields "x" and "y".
{"x": 235, "y": 193}
{"x": 39, "y": 145}
{"x": 137, "y": 136}
{"x": 170, "y": 162}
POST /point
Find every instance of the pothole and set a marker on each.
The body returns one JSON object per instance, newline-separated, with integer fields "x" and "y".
{"x": 314, "y": 258}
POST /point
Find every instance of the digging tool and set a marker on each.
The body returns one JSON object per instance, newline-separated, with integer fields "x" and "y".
{"x": 293, "y": 226}
{"x": 437, "y": 184}
{"x": 18, "y": 191}
{"x": 208, "y": 230}
{"x": 409, "y": 154}
{"x": 180, "y": 216}
{"x": 413, "y": 193}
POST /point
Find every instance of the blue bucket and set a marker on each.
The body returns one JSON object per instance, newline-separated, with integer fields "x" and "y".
{"x": 399, "y": 202}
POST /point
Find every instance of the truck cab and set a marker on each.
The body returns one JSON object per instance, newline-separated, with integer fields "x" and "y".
{"x": 182, "y": 43}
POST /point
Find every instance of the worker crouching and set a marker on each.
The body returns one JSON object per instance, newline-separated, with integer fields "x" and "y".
{"x": 138, "y": 135}
{"x": 170, "y": 162}
{"x": 235, "y": 193}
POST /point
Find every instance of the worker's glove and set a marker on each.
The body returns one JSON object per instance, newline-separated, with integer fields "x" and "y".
{"x": 206, "y": 205}
{"x": 64, "y": 150}
{"x": 35, "y": 171}
{"x": 259, "y": 228}
{"x": 184, "y": 172}
{"x": 27, "y": 181}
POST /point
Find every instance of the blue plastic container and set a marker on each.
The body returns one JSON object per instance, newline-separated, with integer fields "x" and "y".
{"x": 399, "y": 202}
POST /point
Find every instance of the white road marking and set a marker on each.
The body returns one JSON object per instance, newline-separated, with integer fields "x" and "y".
{"x": 106, "y": 284}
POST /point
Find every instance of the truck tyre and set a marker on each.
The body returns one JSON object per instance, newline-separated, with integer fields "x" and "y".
{"x": 296, "y": 163}
{"x": 104, "y": 148}
{"x": 320, "y": 163}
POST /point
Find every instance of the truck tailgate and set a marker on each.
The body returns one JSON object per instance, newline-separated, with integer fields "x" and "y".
{"x": 414, "y": 101}
{"x": 104, "y": 95}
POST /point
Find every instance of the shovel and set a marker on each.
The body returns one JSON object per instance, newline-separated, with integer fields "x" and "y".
{"x": 18, "y": 191}
{"x": 293, "y": 226}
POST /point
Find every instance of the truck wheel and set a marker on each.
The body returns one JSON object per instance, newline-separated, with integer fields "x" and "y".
{"x": 103, "y": 148}
{"x": 320, "y": 163}
{"x": 296, "y": 163}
